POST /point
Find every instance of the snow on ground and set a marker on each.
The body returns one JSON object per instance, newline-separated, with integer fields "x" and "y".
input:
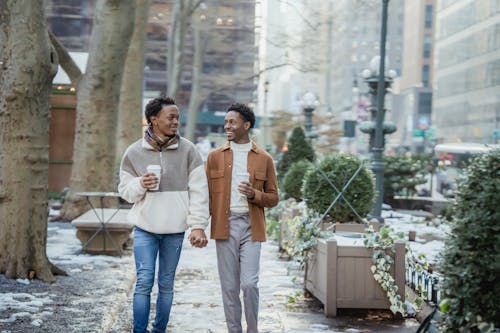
{"x": 65, "y": 250}
{"x": 32, "y": 303}
{"x": 430, "y": 234}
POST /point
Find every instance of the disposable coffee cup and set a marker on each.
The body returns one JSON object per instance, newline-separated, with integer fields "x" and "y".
{"x": 156, "y": 169}
{"x": 242, "y": 177}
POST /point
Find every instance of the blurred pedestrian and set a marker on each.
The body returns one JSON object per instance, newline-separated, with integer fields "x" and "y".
{"x": 204, "y": 147}
{"x": 164, "y": 207}
{"x": 241, "y": 181}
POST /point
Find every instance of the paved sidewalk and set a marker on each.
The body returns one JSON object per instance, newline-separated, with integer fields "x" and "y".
{"x": 198, "y": 304}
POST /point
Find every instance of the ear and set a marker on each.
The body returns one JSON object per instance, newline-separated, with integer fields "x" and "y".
{"x": 247, "y": 125}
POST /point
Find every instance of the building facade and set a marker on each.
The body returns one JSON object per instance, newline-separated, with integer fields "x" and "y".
{"x": 466, "y": 102}
{"x": 356, "y": 41}
{"x": 414, "y": 86}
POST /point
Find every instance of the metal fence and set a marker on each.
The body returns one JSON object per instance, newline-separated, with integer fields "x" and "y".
{"x": 429, "y": 282}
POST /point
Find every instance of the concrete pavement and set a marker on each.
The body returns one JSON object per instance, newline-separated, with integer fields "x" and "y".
{"x": 198, "y": 302}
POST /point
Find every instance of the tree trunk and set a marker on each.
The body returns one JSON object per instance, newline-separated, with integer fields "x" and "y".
{"x": 28, "y": 65}
{"x": 97, "y": 104}
{"x": 130, "y": 104}
{"x": 196, "y": 99}
{"x": 181, "y": 18}
{"x": 176, "y": 48}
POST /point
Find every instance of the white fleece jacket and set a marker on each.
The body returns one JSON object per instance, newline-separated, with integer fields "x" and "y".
{"x": 182, "y": 200}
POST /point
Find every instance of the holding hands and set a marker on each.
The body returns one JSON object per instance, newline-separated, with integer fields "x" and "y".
{"x": 197, "y": 238}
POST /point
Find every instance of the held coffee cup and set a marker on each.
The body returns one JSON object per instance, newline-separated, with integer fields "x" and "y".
{"x": 242, "y": 177}
{"x": 156, "y": 169}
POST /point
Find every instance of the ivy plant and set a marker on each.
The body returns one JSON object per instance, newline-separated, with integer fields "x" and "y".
{"x": 307, "y": 232}
{"x": 383, "y": 246}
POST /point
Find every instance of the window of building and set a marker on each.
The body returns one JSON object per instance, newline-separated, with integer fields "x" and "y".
{"x": 427, "y": 46}
{"x": 425, "y": 75}
{"x": 428, "y": 16}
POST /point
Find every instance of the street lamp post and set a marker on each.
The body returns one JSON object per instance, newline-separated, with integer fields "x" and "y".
{"x": 266, "y": 126}
{"x": 378, "y": 82}
{"x": 309, "y": 104}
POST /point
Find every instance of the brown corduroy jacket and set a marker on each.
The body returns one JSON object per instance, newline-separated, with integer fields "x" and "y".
{"x": 260, "y": 166}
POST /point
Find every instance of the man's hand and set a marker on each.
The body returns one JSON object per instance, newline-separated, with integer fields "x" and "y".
{"x": 149, "y": 180}
{"x": 246, "y": 189}
{"x": 197, "y": 238}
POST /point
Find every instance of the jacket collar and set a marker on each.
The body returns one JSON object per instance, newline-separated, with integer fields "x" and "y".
{"x": 254, "y": 148}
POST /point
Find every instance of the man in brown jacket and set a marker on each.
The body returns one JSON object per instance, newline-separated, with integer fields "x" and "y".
{"x": 241, "y": 182}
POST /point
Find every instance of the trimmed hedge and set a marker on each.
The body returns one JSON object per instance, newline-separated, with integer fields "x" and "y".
{"x": 402, "y": 175}
{"x": 292, "y": 182}
{"x": 298, "y": 149}
{"x": 318, "y": 194}
{"x": 471, "y": 258}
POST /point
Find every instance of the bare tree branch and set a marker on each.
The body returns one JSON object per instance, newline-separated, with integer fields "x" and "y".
{"x": 313, "y": 27}
{"x": 193, "y": 8}
{"x": 67, "y": 63}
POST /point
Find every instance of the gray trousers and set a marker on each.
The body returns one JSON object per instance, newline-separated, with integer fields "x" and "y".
{"x": 238, "y": 263}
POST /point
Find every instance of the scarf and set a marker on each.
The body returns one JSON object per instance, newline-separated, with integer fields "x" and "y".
{"x": 158, "y": 143}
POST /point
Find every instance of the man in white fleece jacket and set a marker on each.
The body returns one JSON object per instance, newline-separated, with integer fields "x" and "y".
{"x": 162, "y": 216}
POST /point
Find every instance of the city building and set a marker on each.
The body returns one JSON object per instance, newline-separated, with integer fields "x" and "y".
{"x": 356, "y": 34}
{"x": 322, "y": 47}
{"x": 412, "y": 100}
{"x": 293, "y": 55}
{"x": 466, "y": 102}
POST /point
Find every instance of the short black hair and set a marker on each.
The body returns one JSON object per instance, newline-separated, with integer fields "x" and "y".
{"x": 155, "y": 105}
{"x": 245, "y": 111}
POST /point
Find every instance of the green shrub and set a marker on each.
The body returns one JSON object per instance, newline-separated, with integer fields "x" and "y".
{"x": 471, "y": 258}
{"x": 292, "y": 182}
{"x": 402, "y": 174}
{"x": 318, "y": 194}
{"x": 298, "y": 149}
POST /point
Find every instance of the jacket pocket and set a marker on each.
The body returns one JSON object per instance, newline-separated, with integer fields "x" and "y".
{"x": 216, "y": 178}
{"x": 260, "y": 178}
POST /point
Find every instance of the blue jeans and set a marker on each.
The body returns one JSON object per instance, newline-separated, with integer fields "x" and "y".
{"x": 146, "y": 248}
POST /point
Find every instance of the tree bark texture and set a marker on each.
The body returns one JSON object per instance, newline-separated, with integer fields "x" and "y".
{"x": 94, "y": 148}
{"x": 196, "y": 99}
{"x": 28, "y": 64}
{"x": 130, "y": 104}
{"x": 181, "y": 19}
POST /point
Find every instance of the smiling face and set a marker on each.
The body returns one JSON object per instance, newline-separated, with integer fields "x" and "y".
{"x": 166, "y": 122}
{"x": 236, "y": 127}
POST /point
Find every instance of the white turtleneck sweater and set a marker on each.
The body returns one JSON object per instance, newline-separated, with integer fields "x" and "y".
{"x": 239, "y": 203}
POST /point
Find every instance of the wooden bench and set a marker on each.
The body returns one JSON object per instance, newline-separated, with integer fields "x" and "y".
{"x": 92, "y": 234}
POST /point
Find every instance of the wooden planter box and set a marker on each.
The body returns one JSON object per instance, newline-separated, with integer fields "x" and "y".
{"x": 339, "y": 275}
{"x": 356, "y": 227}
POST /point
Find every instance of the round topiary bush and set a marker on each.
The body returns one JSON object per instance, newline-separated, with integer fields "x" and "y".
{"x": 471, "y": 258}
{"x": 318, "y": 194}
{"x": 292, "y": 182}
